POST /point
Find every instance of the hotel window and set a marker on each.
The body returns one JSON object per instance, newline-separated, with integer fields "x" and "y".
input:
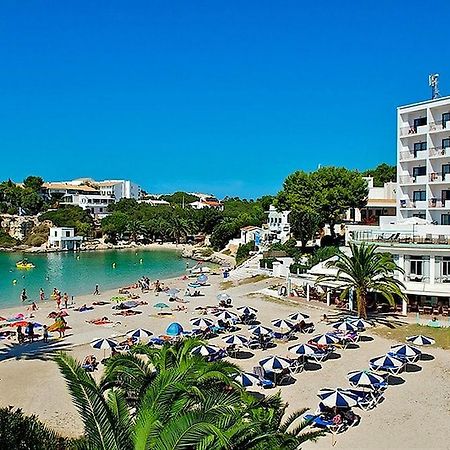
{"x": 419, "y": 170}
{"x": 420, "y": 122}
{"x": 67, "y": 233}
{"x": 446, "y": 266}
{"x": 445, "y": 219}
{"x": 419, "y": 146}
{"x": 419, "y": 196}
{"x": 416, "y": 267}
{"x": 446, "y": 143}
{"x": 445, "y": 118}
{"x": 445, "y": 170}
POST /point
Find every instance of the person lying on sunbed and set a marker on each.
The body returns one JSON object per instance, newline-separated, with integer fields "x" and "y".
{"x": 84, "y": 308}
{"x": 127, "y": 312}
{"x": 100, "y": 303}
{"x": 101, "y": 321}
{"x": 179, "y": 308}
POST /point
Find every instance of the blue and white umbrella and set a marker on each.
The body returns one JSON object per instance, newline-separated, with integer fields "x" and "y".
{"x": 247, "y": 310}
{"x": 205, "y": 350}
{"x": 364, "y": 378}
{"x": 281, "y": 323}
{"x": 226, "y": 316}
{"x": 337, "y": 397}
{"x": 361, "y": 324}
{"x": 345, "y": 326}
{"x": 420, "y": 340}
{"x": 303, "y": 349}
{"x": 258, "y": 330}
{"x": 247, "y": 379}
{"x": 202, "y": 322}
{"x": 222, "y": 296}
{"x": 274, "y": 363}
{"x": 235, "y": 339}
{"x": 298, "y": 317}
{"x": 386, "y": 362}
{"x": 405, "y": 351}
{"x": 325, "y": 339}
{"x": 139, "y": 334}
{"x": 202, "y": 278}
{"x": 103, "y": 344}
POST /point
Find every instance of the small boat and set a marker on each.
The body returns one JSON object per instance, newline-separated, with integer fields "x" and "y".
{"x": 25, "y": 264}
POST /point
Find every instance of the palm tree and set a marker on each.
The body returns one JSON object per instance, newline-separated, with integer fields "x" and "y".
{"x": 178, "y": 228}
{"x": 169, "y": 399}
{"x": 135, "y": 228}
{"x": 364, "y": 271}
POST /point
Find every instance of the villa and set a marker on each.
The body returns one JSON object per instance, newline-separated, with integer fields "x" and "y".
{"x": 63, "y": 238}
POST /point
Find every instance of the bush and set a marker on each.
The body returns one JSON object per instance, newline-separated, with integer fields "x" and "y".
{"x": 38, "y": 235}
{"x": 205, "y": 252}
{"x": 267, "y": 263}
{"x": 6, "y": 240}
{"x": 243, "y": 252}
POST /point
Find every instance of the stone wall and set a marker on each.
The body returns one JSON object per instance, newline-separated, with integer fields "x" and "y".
{"x": 18, "y": 227}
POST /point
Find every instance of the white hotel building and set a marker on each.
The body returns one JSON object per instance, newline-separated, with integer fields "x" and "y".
{"x": 419, "y": 236}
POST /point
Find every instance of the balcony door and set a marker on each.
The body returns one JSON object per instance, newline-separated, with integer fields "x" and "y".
{"x": 420, "y": 122}
{"x": 445, "y": 171}
{"x": 445, "y": 118}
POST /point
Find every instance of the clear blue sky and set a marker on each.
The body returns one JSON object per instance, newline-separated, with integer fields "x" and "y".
{"x": 227, "y": 97}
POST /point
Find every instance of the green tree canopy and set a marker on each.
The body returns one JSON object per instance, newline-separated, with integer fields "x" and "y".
{"x": 33, "y": 182}
{"x": 179, "y": 198}
{"x": 383, "y": 173}
{"x": 67, "y": 216}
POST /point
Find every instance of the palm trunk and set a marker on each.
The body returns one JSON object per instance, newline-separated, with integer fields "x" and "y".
{"x": 362, "y": 304}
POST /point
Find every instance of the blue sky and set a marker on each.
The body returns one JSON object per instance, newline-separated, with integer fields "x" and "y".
{"x": 227, "y": 97}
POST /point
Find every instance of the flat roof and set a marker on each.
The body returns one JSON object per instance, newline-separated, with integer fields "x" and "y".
{"x": 424, "y": 102}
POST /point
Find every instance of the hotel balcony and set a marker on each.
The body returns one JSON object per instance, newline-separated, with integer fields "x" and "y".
{"x": 439, "y": 152}
{"x": 439, "y": 125}
{"x": 409, "y": 179}
{"x": 439, "y": 177}
{"x": 439, "y": 203}
{"x": 411, "y": 155}
{"x": 412, "y": 130}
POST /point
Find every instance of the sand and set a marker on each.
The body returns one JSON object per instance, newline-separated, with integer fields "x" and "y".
{"x": 415, "y": 414}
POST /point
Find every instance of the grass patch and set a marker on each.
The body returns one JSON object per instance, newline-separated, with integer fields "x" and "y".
{"x": 400, "y": 333}
{"x": 229, "y": 284}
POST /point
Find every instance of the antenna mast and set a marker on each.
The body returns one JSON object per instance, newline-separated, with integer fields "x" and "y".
{"x": 433, "y": 82}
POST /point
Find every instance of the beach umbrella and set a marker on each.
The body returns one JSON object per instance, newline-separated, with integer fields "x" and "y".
{"x": 160, "y": 306}
{"x": 205, "y": 350}
{"x": 281, "y": 323}
{"x": 174, "y": 329}
{"x": 337, "y": 398}
{"x": 303, "y": 349}
{"x": 420, "y": 340}
{"x": 386, "y": 362}
{"x": 20, "y": 323}
{"x": 345, "y": 326}
{"x": 247, "y": 310}
{"x": 247, "y": 379}
{"x": 130, "y": 304}
{"x": 364, "y": 378}
{"x": 298, "y": 317}
{"x": 325, "y": 339}
{"x": 202, "y": 322}
{"x": 226, "y": 316}
{"x": 202, "y": 278}
{"x": 139, "y": 334}
{"x": 258, "y": 330}
{"x": 235, "y": 339}
{"x": 172, "y": 292}
{"x": 222, "y": 296}
{"x": 274, "y": 363}
{"x": 405, "y": 351}
{"x": 361, "y": 323}
{"x": 103, "y": 344}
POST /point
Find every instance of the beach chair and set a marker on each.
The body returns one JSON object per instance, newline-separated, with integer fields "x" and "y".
{"x": 325, "y": 424}
{"x": 366, "y": 399}
{"x": 264, "y": 382}
{"x": 297, "y": 366}
{"x": 319, "y": 356}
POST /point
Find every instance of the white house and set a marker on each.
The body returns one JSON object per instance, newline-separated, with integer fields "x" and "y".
{"x": 278, "y": 227}
{"x": 381, "y": 201}
{"x": 207, "y": 201}
{"x": 251, "y": 233}
{"x": 63, "y": 238}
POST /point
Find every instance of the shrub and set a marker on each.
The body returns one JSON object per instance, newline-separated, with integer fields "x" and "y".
{"x": 6, "y": 240}
{"x": 243, "y": 252}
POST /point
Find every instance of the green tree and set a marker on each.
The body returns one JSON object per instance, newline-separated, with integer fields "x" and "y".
{"x": 383, "y": 173}
{"x": 34, "y": 183}
{"x": 169, "y": 399}
{"x": 135, "y": 228}
{"x": 67, "y": 216}
{"x": 18, "y": 431}
{"x": 304, "y": 222}
{"x": 364, "y": 271}
{"x": 179, "y": 198}
{"x": 223, "y": 232}
{"x": 115, "y": 225}
{"x": 327, "y": 192}
{"x": 31, "y": 202}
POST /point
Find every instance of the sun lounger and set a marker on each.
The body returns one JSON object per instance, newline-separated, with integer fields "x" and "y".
{"x": 366, "y": 399}
{"x": 328, "y": 425}
{"x": 265, "y": 383}
{"x": 390, "y": 370}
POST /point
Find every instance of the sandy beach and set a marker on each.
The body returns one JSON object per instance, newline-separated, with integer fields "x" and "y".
{"x": 415, "y": 413}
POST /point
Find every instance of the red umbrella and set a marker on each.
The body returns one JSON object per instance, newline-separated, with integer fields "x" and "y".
{"x": 21, "y": 323}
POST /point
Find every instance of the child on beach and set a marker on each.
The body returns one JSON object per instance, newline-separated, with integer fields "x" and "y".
{"x": 66, "y": 299}
{"x": 23, "y": 295}
{"x": 96, "y": 292}
{"x": 45, "y": 334}
{"x": 41, "y": 295}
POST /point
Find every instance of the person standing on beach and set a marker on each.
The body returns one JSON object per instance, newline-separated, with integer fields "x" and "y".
{"x": 23, "y": 295}
{"x": 19, "y": 335}
{"x": 41, "y": 295}
{"x": 66, "y": 299}
{"x": 96, "y": 292}
{"x": 58, "y": 300}
{"x": 45, "y": 334}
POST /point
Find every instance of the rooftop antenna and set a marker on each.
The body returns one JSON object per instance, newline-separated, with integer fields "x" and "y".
{"x": 433, "y": 82}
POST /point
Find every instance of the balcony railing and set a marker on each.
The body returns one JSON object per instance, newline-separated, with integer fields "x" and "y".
{"x": 405, "y": 203}
{"x": 409, "y": 155}
{"x": 438, "y": 125}
{"x": 405, "y": 179}
{"x": 439, "y": 176}
{"x": 439, "y": 151}
{"x": 436, "y": 203}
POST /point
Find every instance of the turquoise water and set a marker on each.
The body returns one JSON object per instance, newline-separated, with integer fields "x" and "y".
{"x": 79, "y": 273}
